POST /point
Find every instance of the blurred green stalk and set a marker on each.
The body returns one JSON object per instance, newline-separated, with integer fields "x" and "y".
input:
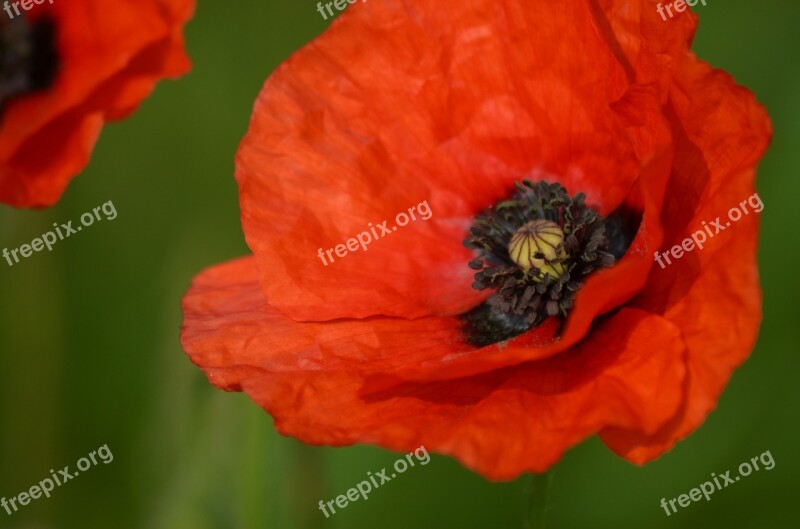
{"x": 536, "y": 491}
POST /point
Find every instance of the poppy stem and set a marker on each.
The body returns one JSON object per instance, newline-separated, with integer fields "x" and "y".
{"x": 536, "y": 490}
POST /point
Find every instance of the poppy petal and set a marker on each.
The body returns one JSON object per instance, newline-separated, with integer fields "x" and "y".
{"x": 712, "y": 294}
{"x": 107, "y": 66}
{"x": 311, "y": 379}
{"x": 643, "y": 42}
{"x": 400, "y": 103}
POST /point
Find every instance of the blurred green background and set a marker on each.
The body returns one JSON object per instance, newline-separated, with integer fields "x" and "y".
{"x": 89, "y": 351}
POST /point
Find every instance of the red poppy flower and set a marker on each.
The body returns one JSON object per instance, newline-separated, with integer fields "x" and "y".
{"x": 65, "y": 69}
{"x": 516, "y": 321}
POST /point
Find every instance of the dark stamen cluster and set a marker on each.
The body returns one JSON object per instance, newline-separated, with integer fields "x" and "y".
{"x": 28, "y": 59}
{"x": 526, "y": 297}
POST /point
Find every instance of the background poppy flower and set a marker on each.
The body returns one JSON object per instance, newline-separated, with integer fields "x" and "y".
{"x": 400, "y": 102}
{"x": 69, "y": 67}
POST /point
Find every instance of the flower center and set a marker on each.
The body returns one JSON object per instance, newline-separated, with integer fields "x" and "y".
{"x": 539, "y": 245}
{"x": 534, "y": 249}
{"x": 28, "y": 59}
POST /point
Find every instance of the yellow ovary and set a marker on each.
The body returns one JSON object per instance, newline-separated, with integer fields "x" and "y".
{"x": 539, "y": 244}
